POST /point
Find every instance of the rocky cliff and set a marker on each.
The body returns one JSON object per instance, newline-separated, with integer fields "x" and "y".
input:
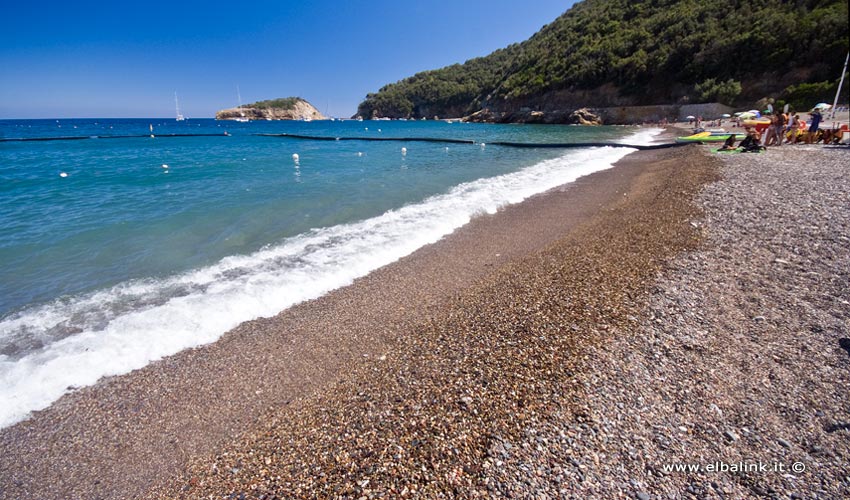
{"x": 289, "y": 108}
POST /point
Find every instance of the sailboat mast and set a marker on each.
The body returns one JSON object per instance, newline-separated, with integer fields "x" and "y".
{"x": 840, "y": 83}
{"x": 242, "y": 117}
{"x": 177, "y": 107}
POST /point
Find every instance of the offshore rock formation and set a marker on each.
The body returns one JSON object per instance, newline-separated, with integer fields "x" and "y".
{"x": 290, "y": 108}
{"x": 584, "y": 116}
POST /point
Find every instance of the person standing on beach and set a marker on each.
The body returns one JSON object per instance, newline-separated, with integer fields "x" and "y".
{"x": 781, "y": 121}
{"x": 812, "y": 135}
{"x": 769, "y": 136}
{"x": 793, "y": 127}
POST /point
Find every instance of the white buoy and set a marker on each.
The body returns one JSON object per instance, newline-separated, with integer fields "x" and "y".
{"x": 404, "y": 151}
{"x": 295, "y": 156}
{"x": 63, "y": 174}
{"x": 482, "y": 145}
{"x": 165, "y": 165}
{"x": 359, "y": 153}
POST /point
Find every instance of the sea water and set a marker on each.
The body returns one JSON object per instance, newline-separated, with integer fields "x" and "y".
{"x": 119, "y": 250}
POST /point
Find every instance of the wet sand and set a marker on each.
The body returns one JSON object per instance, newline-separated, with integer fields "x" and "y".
{"x": 132, "y": 435}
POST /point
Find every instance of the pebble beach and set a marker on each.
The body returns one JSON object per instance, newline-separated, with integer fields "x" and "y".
{"x": 680, "y": 309}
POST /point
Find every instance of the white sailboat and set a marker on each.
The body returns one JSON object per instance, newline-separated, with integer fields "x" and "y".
{"x": 180, "y": 117}
{"x": 242, "y": 117}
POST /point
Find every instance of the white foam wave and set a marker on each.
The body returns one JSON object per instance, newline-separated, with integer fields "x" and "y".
{"x": 124, "y": 328}
{"x": 644, "y": 136}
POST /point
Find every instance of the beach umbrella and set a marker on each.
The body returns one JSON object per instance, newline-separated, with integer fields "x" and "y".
{"x": 739, "y": 113}
{"x": 689, "y": 117}
{"x": 822, "y": 105}
{"x": 725, "y": 115}
{"x": 747, "y": 115}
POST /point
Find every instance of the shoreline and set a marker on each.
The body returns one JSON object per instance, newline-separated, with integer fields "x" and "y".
{"x": 437, "y": 414}
{"x": 245, "y": 286}
{"x": 199, "y": 395}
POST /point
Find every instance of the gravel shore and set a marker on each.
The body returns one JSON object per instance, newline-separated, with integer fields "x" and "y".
{"x": 681, "y": 309}
{"x": 459, "y": 406}
{"x": 739, "y": 358}
{"x": 589, "y": 369}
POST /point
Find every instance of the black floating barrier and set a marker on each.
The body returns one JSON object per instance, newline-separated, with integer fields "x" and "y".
{"x": 586, "y": 145}
{"x": 496, "y": 143}
{"x": 375, "y": 139}
{"x": 77, "y": 138}
{"x": 21, "y": 139}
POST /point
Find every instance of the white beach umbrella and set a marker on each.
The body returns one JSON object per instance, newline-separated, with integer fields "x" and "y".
{"x": 739, "y": 113}
{"x": 822, "y": 105}
{"x": 747, "y": 115}
{"x": 689, "y": 117}
{"x": 725, "y": 115}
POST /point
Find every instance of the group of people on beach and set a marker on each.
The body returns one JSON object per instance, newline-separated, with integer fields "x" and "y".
{"x": 784, "y": 128}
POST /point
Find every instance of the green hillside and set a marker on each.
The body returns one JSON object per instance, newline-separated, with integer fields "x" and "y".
{"x": 285, "y": 103}
{"x": 617, "y": 53}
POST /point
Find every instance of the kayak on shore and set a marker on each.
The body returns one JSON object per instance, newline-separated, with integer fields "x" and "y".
{"x": 709, "y": 137}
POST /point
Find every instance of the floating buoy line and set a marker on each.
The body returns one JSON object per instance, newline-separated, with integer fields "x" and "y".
{"x": 78, "y": 138}
{"x": 469, "y": 141}
{"x": 551, "y": 145}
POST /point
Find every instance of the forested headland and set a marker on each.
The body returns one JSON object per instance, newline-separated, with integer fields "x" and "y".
{"x": 630, "y": 53}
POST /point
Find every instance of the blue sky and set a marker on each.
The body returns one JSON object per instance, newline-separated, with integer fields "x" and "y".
{"x": 126, "y": 59}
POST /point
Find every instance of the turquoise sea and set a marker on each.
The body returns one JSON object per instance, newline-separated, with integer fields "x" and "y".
{"x": 115, "y": 252}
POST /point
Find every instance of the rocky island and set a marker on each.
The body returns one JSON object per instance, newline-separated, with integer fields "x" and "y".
{"x": 287, "y": 108}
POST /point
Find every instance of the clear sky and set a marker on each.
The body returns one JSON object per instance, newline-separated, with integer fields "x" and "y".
{"x": 61, "y": 59}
